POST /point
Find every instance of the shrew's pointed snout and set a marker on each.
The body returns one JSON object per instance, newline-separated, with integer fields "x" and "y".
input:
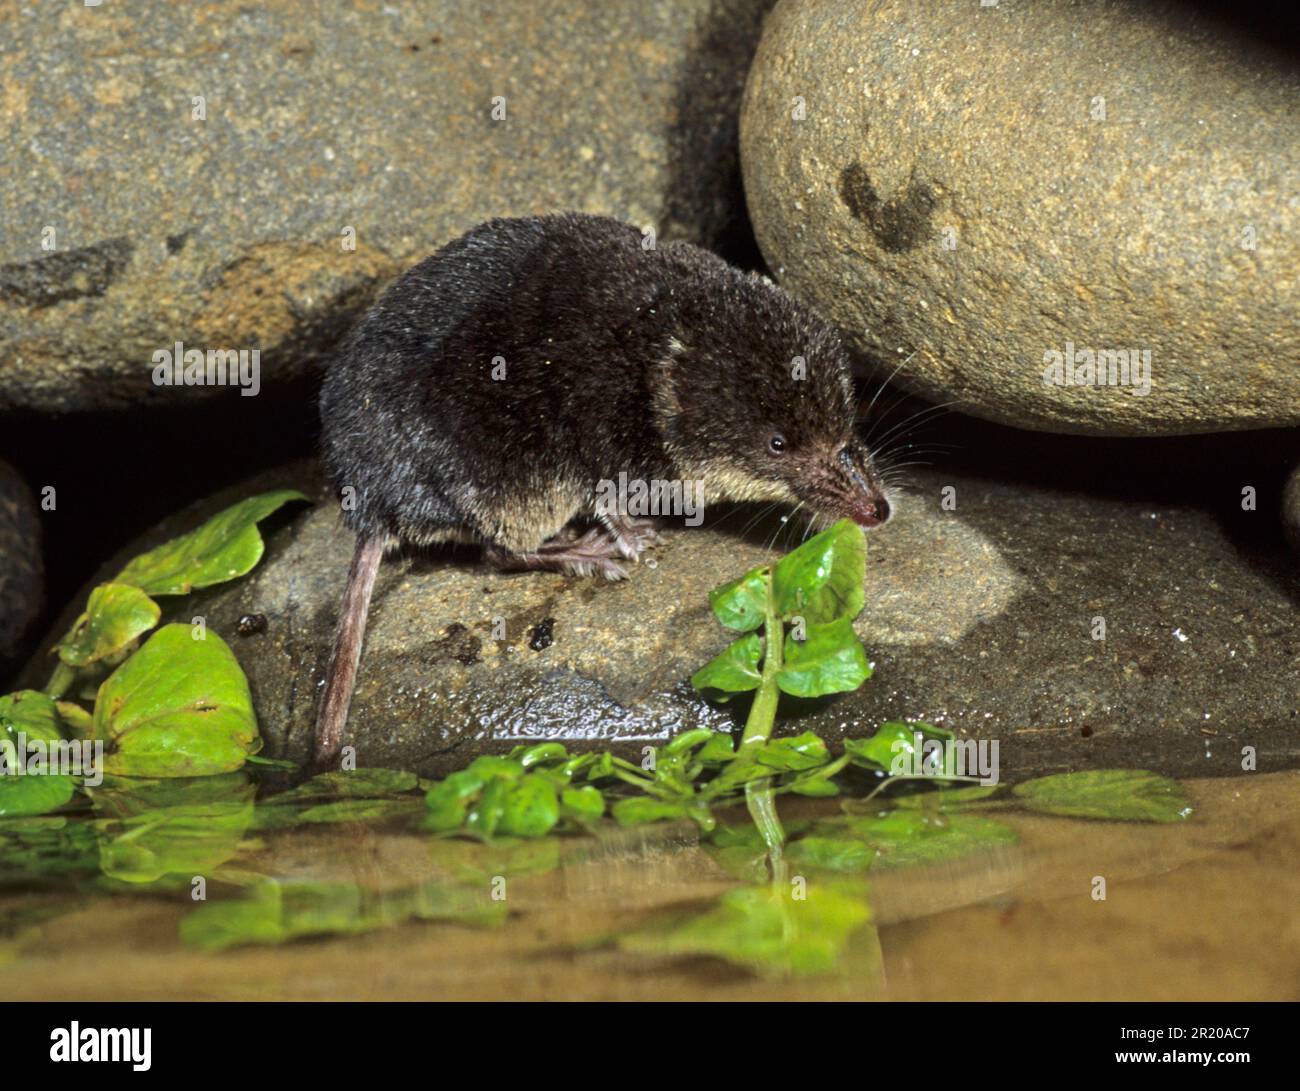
{"x": 864, "y": 498}
{"x": 870, "y": 512}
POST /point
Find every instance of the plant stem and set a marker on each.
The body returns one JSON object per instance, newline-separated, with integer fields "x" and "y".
{"x": 762, "y": 713}
{"x": 60, "y": 681}
{"x": 761, "y": 801}
{"x": 759, "y": 797}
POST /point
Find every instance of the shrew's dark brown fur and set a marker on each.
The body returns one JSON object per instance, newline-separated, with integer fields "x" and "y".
{"x": 496, "y": 384}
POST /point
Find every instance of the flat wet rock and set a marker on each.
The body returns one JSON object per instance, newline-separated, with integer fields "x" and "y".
{"x": 981, "y": 619}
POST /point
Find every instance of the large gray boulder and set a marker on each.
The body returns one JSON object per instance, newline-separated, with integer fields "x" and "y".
{"x": 130, "y": 224}
{"x": 984, "y": 193}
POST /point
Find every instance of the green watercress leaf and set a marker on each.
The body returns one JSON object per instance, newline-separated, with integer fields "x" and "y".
{"x": 585, "y": 804}
{"x": 484, "y": 814}
{"x": 742, "y": 604}
{"x": 822, "y": 580}
{"x": 793, "y": 754}
{"x": 719, "y": 749}
{"x": 818, "y": 787}
{"x": 178, "y": 707}
{"x": 32, "y": 794}
{"x": 116, "y": 615}
{"x": 225, "y": 547}
{"x": 893, "y": 744}
{"x": 734, "y": 670}
{"x": 544, "y": 753}
{"x": 638, "y": 810}
{"x": 32, "y": 714}
{"x": 531, "y": 808}
{"x": 687, "y": 740}
{"x": 1125, "y": 794}
{"x": 488, "y": 766}
{"x": 446, "y": 812}
{"x": 830, "y": 660}
{"x": 448, "y": 801}
{"x": 496, "y": 797}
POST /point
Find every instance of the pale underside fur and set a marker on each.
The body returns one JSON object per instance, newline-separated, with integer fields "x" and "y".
{"x": 541, "y": 511}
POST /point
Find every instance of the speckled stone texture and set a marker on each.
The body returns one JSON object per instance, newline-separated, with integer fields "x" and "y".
{"x": 980, "y": 619}
{"x": 971, "y": 188}
{"x": 21, "y": 570}
{"x": 228, "y": 232}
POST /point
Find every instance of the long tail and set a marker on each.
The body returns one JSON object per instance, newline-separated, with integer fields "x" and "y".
{"x": 341, "y": 675}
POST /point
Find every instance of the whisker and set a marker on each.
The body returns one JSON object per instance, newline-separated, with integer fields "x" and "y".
{"x": 935, "y": 447}
{"x": 886, "y": 413}
{"x": 884, "y": 383}
{"x": 896, "y": 466}
{"x": 763, "y": 513}
{"x": 915, "y": 420}
{"x": 920, "y": 414}
{"x": 754, "y": 518}
{"x": 784, "y": 525}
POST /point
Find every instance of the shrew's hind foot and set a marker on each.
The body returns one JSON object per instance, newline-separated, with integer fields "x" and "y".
{"x": 594, "y": 553}
{"x": 632, "y": 535}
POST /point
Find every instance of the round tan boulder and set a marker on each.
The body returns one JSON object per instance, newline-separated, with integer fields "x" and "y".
{"x": 1074, "y": 216}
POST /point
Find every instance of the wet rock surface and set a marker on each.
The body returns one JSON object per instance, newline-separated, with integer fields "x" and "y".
{"x": 131, "y": 223}
{"x": 980, "y": 619}
{"x": 21, "y": 569}
{"x": 967, "y": 189}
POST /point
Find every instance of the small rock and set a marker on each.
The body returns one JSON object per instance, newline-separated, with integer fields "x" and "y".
{"x": 251, "y": 624}
{"x": 543, "y": 635}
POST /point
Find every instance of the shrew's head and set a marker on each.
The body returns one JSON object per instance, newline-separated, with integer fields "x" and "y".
{"x": 754, "y": 396}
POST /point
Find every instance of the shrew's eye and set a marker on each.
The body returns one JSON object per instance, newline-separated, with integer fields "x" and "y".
{"x": 776, "y": 444}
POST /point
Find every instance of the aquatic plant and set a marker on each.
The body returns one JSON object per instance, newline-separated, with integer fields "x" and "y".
{"x": 176, "y": 706}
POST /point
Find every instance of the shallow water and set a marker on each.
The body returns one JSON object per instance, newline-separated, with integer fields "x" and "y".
{"x": 1200, "y": 909}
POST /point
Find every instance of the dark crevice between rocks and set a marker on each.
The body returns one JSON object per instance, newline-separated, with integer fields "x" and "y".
{"x": 1205, "y": 472}
{"x": 704, "y": 144}
{"x": 117, "y": 474}
{"x": 1273, "y": 25}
